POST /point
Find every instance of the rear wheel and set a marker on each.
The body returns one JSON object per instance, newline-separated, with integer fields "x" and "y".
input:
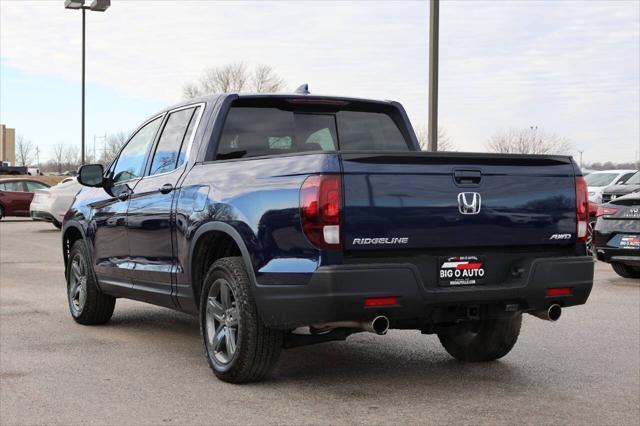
{"x": 486, "y": 340}
{"x": 1, "y": 212}
{"x": 87, "y": 304}
{"x": 238, "y": 346}
{"x": 625, "y": 271}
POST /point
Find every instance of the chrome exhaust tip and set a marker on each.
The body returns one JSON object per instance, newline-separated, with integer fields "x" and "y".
{"x": 380, "y": 325}
{"x": 552, "y": 313}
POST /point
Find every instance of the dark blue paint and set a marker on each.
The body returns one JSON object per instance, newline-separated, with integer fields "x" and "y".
{"x": 142, "y": 247}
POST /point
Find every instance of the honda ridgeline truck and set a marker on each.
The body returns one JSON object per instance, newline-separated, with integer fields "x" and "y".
{"x": 287, "y": 220}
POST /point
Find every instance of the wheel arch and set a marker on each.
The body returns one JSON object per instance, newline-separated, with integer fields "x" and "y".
{"x": 202, "y": 253}
{"x": 71, "y": 233}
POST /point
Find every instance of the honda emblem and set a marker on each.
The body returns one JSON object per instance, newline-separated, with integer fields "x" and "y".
{"x": 469, "y": 202}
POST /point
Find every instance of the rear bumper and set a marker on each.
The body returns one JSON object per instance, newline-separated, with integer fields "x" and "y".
{"x": 337, "y": 293}
{"x": 625, "y": 256}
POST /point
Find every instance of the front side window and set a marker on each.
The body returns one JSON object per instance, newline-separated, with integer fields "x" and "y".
{"x": 170, "y": 152}
{"x": 130, "y": 163}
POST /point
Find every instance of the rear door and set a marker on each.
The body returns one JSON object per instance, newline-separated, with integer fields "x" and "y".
{"x": 149, "y": 216}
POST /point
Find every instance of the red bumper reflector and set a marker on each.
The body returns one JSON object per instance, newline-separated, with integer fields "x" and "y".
{"x": 380, "y": 301}
{"x": 560, "y": 291}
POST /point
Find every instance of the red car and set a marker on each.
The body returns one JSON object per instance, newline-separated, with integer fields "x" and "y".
{"x": 16, "y": 196}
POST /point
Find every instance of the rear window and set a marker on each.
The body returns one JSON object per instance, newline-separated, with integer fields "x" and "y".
{"x": 259, "y": 131}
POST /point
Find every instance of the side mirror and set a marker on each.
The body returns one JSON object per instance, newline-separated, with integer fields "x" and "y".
{"x": 91, "y": 175}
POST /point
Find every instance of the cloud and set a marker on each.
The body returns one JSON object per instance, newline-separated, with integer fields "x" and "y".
{"x": 569, "y": 67}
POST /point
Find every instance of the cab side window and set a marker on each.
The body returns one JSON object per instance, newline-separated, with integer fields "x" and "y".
{"x": 170, "y": 151}
{"x": 130, "y": 163}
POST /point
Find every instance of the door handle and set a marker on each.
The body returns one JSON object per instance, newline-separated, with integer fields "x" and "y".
{"x": 166, "y": 188}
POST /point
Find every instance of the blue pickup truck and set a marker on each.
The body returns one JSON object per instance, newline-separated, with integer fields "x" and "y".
{"x": 288, "y": 220}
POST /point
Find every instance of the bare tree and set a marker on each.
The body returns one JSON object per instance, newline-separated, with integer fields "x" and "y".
{"x": 72, "y": 157}
{"x": 444, "y": 141}
{"x": 265, "y": 80}
{"x": 58, "y": 154}
{"x": 24, "y": 151}
{"x": 234, "y": 77}
{"x": 114, "y": 142}
{"x": 529, "y": 141}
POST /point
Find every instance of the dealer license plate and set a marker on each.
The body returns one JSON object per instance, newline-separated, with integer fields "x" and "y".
{"x": 461, "y": 270}
{"x": 630, "y": 241}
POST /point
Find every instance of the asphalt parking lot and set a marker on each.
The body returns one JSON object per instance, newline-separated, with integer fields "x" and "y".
{"x": 146, "y": 366}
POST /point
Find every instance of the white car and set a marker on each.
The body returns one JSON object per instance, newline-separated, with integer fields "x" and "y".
{"x": 598, "y": 181}
{"x": 50, "y": 205}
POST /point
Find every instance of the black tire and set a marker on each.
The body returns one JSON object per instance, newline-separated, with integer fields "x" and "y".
{"x": 625, "y": 271}
{"x": 1, "y": 212}
{"x": 257, "y": 347}
{"x": 94, "y": 307}
{"x": 490, "y": 340}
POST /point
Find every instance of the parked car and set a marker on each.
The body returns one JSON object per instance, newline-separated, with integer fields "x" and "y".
{"x": 266, "y": 214}
{"x": 7, "y": 169}
{"x": 631, "y": 185}
{"x": 50, "y": 205}
{"x": 598, "y": 181}
{"x": 16, "y": 196}
{"x": 617, "y": 236}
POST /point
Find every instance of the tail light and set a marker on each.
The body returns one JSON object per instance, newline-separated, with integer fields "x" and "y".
{"x": 606, "y": 211}
{"x": 320, "y": 208}
{"x": 582, "y": 209}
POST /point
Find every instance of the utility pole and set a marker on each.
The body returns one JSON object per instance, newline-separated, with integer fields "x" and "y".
{"x": 580, "y": 152}
{"x": 434, "y": 23}
{"x": 83, "y": 43}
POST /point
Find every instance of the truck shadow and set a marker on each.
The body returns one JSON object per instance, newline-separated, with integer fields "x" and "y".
{"x": 402, "y": 360}
{"x": 399, "y": 359}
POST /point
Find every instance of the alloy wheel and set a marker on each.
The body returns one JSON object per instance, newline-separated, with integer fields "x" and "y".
{"x": 78, "y": 284}
{"x": 222, "y": 319}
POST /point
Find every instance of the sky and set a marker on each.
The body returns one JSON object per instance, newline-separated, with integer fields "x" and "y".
{"x": 568, "y": 67}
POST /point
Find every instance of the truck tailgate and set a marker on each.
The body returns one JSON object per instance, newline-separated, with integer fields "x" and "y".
{"x": 437, "y": 200}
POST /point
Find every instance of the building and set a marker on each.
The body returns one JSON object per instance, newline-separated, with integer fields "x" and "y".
{"x": 7, "y": 144}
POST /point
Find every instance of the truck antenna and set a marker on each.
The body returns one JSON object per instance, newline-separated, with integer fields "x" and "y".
{"x": 303, "y": 89}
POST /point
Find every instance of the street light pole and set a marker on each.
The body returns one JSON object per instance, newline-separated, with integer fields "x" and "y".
{"x": 434, "y": 23}
{"x": 96, "y": 6}
{"x": 83, "y": 49}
